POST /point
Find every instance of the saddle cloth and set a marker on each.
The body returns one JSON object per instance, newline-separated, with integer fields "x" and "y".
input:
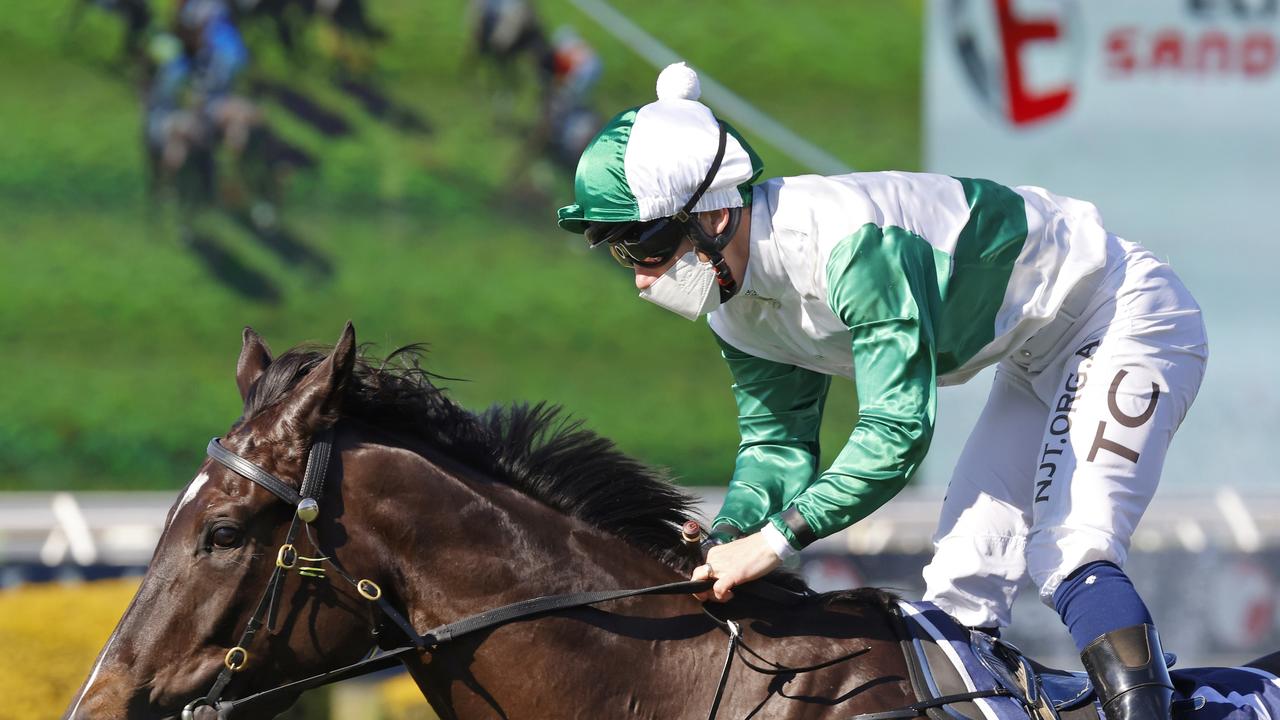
{"x": 946, "y": 658}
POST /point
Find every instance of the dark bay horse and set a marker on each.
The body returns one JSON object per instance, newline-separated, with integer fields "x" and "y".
{"x": 452, "y": 513}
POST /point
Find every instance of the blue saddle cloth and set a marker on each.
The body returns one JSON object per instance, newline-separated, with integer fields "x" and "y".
{"x": 1208, "y": 693}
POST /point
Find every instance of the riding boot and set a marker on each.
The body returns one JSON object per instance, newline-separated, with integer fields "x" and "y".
{"x": 1129, "y": 674}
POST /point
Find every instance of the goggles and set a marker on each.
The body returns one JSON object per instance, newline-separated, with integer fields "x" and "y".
{"x": 647, "y": 244}
{"x": 652, "y": 243}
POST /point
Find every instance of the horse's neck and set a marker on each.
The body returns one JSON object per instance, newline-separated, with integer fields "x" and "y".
{"x": 474, "y": 543}
{"x": 481, "y": 544}
{"x": 470, "y": 545}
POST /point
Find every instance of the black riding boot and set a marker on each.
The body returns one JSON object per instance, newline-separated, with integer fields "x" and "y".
{"x": 1129, "y": 674}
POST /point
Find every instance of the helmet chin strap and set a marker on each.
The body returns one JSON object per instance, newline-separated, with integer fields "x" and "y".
{"x": 713, "y": 246}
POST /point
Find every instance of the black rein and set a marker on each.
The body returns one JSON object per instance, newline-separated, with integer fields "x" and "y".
{"x": 306, "y": 501}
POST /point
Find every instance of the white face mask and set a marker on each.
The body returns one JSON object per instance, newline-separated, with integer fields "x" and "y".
{"x": 688, "y": 288}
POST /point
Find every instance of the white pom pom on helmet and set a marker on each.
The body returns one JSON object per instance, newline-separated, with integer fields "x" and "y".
{"x": 678, "y": 81}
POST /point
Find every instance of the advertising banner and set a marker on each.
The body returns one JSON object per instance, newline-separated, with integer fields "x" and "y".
{"x": 1166, "y": 115}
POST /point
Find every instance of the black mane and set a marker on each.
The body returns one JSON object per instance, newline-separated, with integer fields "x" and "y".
{"x": 534, "y": 448}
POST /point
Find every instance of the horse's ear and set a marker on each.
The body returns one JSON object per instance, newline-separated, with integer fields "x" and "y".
{"x": 255, "y": 356}
{"x": 316, "y": 400}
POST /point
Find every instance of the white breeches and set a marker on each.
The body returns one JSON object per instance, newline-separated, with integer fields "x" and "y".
{"x": 1068, "y": 450}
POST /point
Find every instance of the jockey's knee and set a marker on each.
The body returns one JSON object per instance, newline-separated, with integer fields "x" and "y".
{"x": 975, "y": 578}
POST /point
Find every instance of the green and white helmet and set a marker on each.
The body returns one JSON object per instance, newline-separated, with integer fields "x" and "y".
{"x": 647, "y": 161}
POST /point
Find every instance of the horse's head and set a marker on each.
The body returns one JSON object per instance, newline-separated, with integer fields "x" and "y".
{"x": 214, "y": 573}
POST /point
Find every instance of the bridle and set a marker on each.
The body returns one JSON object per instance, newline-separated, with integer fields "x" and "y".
{"x": 306, "y": 502}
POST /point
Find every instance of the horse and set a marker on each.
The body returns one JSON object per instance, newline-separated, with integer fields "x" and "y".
{"x": 447, "y": 513}
{"x": 353, "y": 504}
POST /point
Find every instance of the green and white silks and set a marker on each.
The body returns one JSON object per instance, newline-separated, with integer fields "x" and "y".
{"x": 902, "y": 281}
{"x": 647, "y": 161}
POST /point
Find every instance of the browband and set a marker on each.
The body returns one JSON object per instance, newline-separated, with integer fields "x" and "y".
{"x": 251, "y": 471}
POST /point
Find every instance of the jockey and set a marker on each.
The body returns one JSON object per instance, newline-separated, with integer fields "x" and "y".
{"x": 503, "y": 29}
{"x": 172, "y": 130}
{"x": 573, "y": 67}
{"x": 219, "y": 55}
{"x": 219, "y": 60}
{"x": 904, "y": 282}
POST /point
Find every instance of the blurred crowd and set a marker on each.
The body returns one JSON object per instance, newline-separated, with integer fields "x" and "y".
{"x": 209, "y": 144}
{"x": 205, "y": 136}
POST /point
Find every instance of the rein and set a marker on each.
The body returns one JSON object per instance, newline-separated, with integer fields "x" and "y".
{"x": 439, "y": 636}
{"x": 306, "y": 502}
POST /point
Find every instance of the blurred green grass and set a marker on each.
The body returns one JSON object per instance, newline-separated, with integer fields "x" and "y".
{"x": 120, "y": 345}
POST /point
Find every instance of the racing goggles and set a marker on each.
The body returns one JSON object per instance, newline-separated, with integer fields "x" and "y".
{"x": 646, "y": 244}
{"x": 652, "y": 243}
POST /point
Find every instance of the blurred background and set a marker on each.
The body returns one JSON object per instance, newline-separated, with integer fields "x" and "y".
{"x": 173, "y": 170}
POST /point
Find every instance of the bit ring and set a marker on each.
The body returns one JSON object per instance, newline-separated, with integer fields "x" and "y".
{"x": 368, "y": 589}
{"x": 287, "y": 557}
{"x": 237, "y": 657}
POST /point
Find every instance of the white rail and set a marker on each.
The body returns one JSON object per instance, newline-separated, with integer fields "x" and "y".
{"x": 60, "y": 529}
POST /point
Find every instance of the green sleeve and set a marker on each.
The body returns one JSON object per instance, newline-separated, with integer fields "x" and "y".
{"x": 883, "y": 283}
{"x": 779, "y": 415}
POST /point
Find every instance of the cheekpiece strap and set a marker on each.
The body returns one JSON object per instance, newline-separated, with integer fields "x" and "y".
{"x": 317, "y": 464}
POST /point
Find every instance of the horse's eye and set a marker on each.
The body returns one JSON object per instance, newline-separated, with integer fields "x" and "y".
{"x": 225, "y": 537}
